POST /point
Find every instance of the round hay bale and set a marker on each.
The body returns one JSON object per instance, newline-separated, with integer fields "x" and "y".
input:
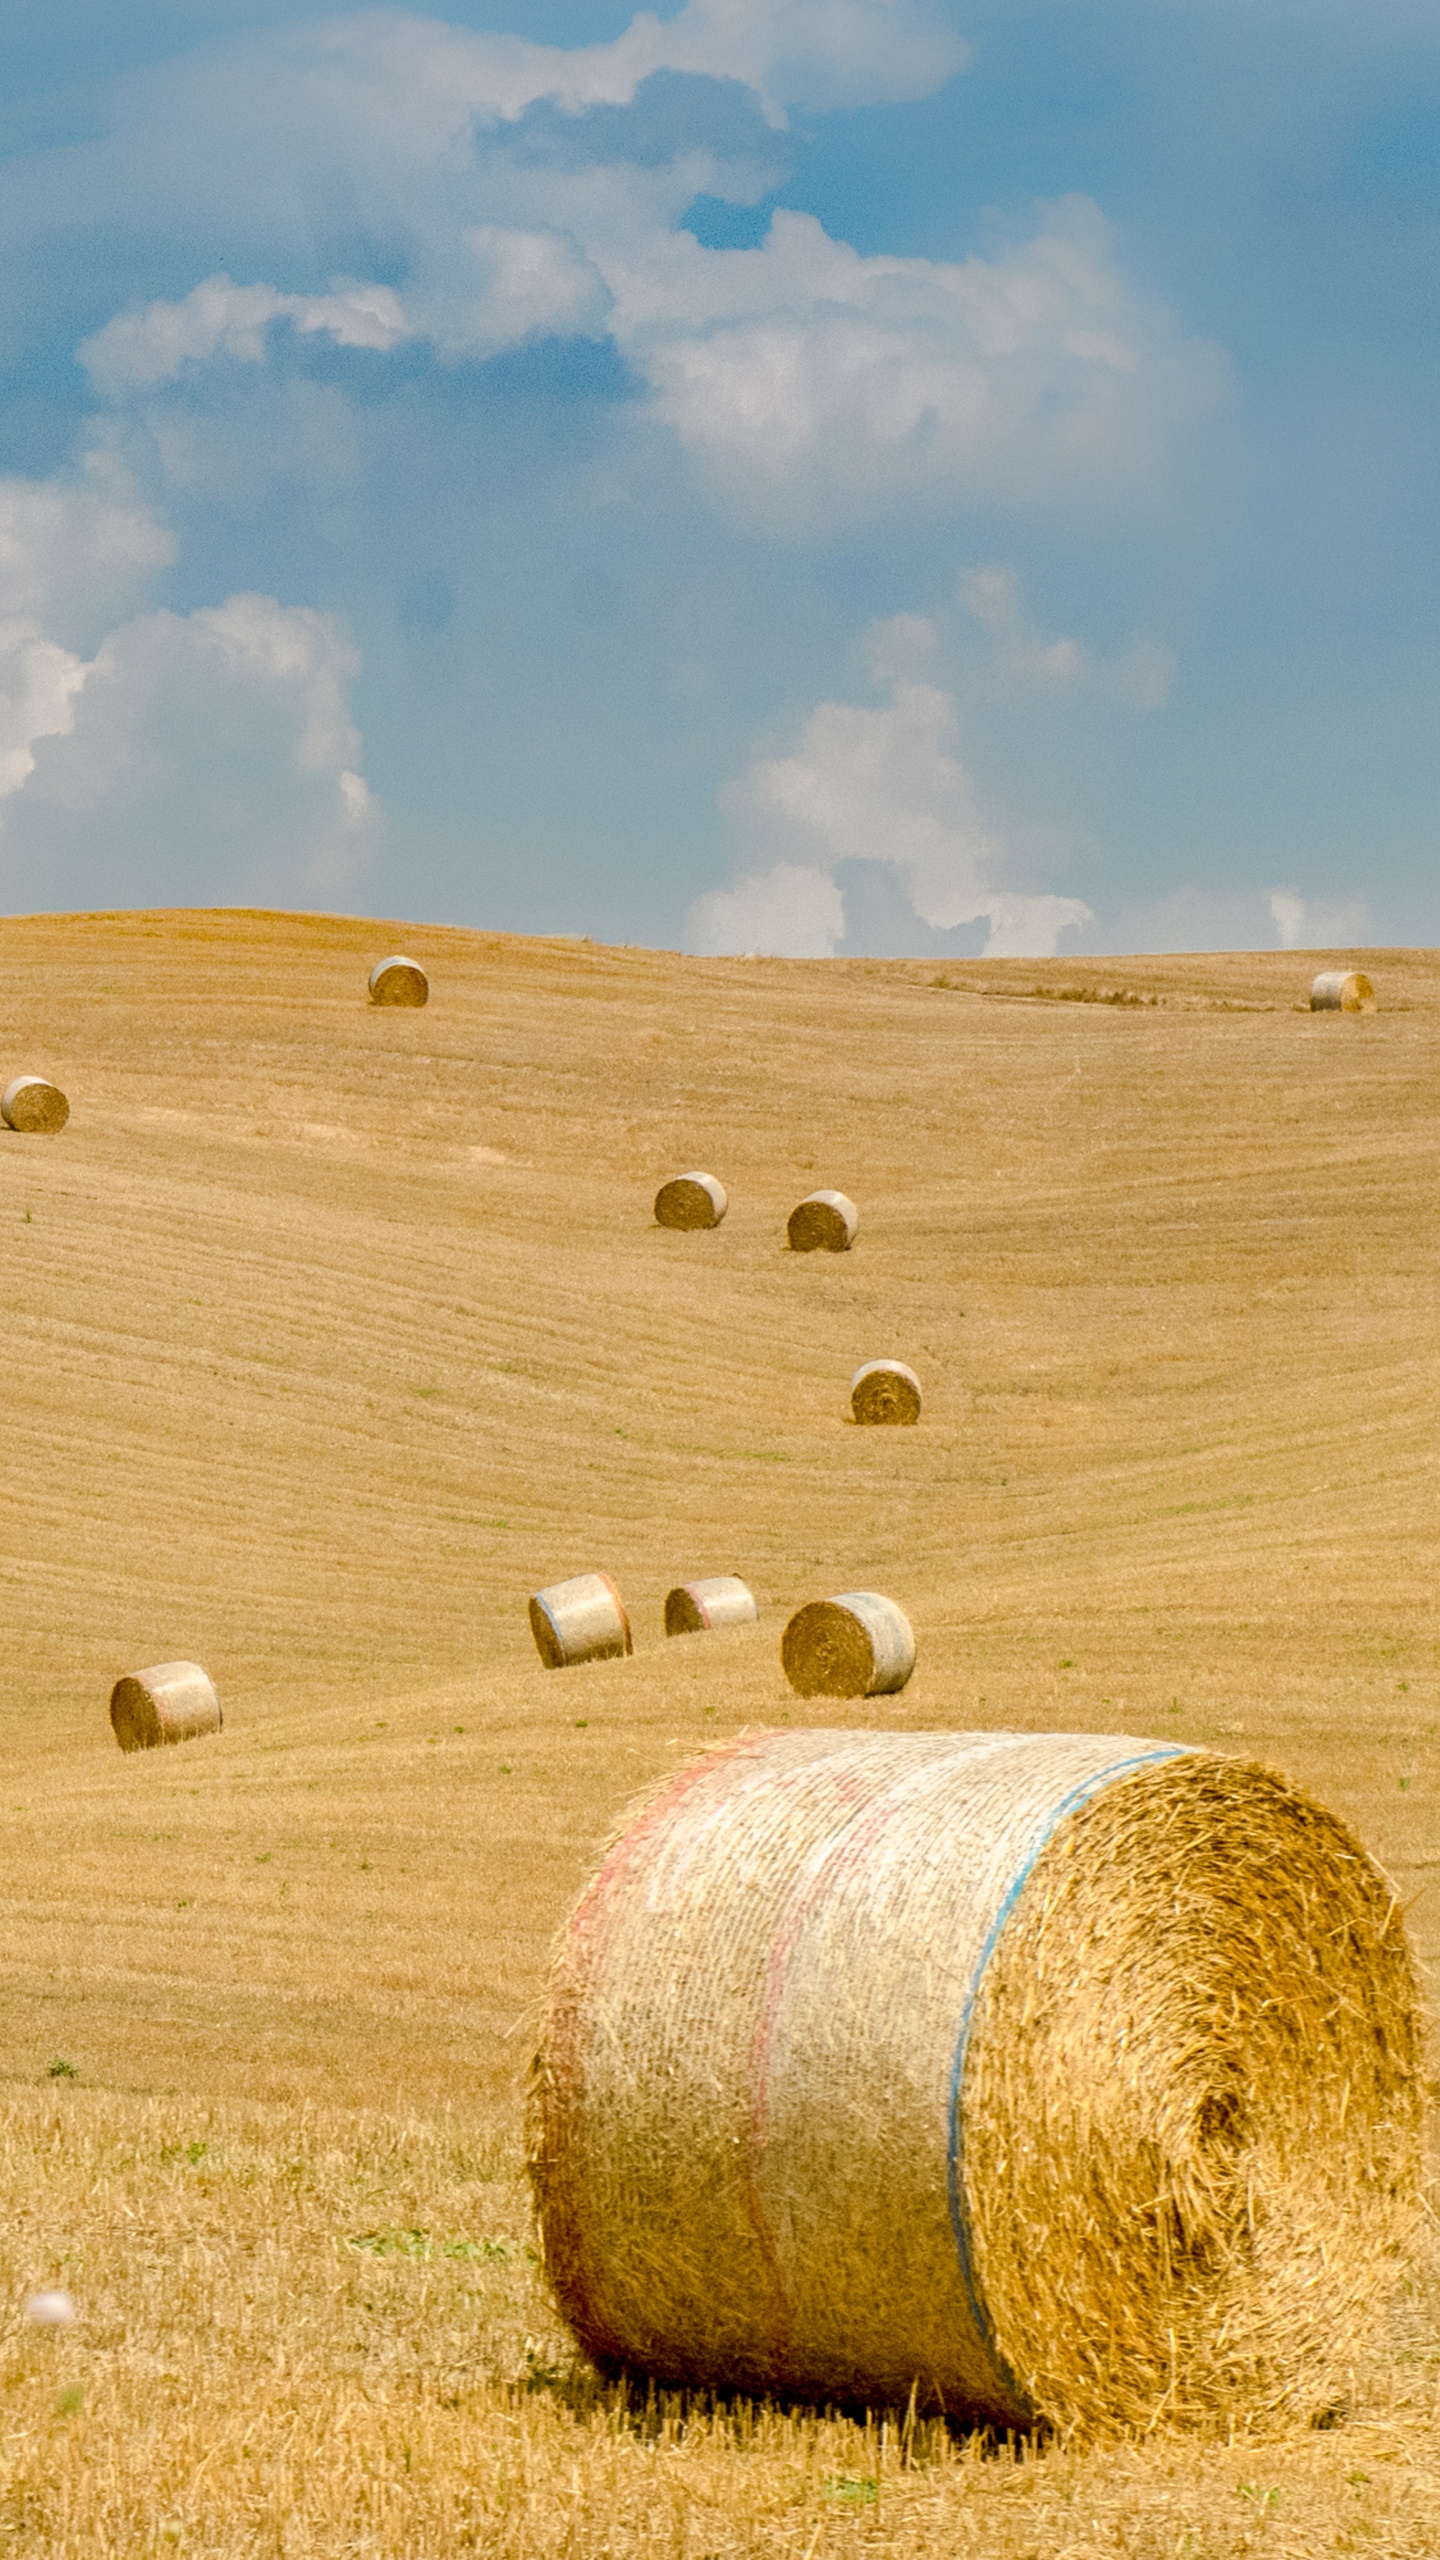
{"x": 582, "y": 1620}
{"x": 399, "y": 981}
{"x": 1062, "y": 2078}
{"x": 1342, "y": 991}
{"x": 885, "y": 1391}
{"x": 691, "y": 1200}
{"x": 723, "y": 1600}
{"x": 35, "y": 1106}
{"x": 823, "y": 1223}
{"x": 856, "y": 1646}
{"x": 171, "y": 1702}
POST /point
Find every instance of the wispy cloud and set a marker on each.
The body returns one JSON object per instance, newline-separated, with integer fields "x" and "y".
{"x": 1316, "y": 924}
{"x": 1141, "y": 675}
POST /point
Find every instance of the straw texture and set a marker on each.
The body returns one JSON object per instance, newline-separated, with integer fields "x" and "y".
{"x": 171, "y": 1702}
{"x": 582, "y": 1620}
{"x": 885, "y": 1391}
{"x": 825, "y": 1222}
{"x": 722, "y": 1600}
{"x": 691, "y": 1200}
{"x": 858, "y": 1645}
{"x": 1342, "y": 991}
{"x": 1070, "y": 2078}
{"x": 399, "y": 981}
{"x": 31, "y": 1104}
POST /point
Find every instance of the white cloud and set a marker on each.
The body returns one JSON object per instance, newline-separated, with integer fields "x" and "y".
{"x": 495, "y": 289}
{"x": 38, "y": 684}
{"x": 814, "y": 53}
{"x": 403, "y": 68}
{"x": 195, "y": 756}
{"x": 794, "y": 911}
{"x": 72, "y": 549}
{"x": 219, "y": 318}
{"x": 1141, "y": 675}
{"x": 811, "y": 384}
{"x": 867, "y": 785}
{"x": 1316, "y": 924}
{"x": 299, "y": 653}
{"x": 1192, "y": 919}
{"x": 77, "y": 547}
{"x": 802, "y": 373}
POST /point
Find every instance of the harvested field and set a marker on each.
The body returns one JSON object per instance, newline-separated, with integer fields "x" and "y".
{"x": 314, "y": 1379}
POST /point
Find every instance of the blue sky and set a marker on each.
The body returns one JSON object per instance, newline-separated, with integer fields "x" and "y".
{"x": 797, "y": 475}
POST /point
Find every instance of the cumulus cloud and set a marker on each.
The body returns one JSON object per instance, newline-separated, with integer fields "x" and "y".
{"x": 492, "y": 184}
{"x": 805, "y": 372}
{"x": 38, "y": 684}
{"x": 793, "y": 911}
{"x": 1141, "y": 675}
{"x": 875, "y": 785}
{"x": 807, "y": 382}
{"x": 77, "y": 547}
{"x": 814, "y": 53}
{"x": 192, "y": 755}
{"x": 72, "y": 549}
{"x": 219, "y": 318}
{"x": 811, "y": 384}
{"x": 402, "y": 69}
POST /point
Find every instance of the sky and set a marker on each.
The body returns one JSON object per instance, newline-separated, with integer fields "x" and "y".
{"x": 811, "y": 476}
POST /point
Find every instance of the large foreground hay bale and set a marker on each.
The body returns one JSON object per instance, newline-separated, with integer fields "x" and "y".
{"x": 885, "y": 1391}
{"x": 399, "y": 981}
{"x": 721, "y": 1600}
{"x": 856, "y": 1646}
{"x": 823, "y": 1223}
{"x": 1052, "y": 2077}
{"x": 35, "y": 1106}
{"x": 1342, "y": 991}
{"x": 171, "y": 1702}
{"x": 691, "y": 1200}
{"x": 582, "y": 1620}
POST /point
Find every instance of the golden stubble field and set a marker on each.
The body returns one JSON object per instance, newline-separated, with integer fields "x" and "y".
{"x": 329, "y": 1335}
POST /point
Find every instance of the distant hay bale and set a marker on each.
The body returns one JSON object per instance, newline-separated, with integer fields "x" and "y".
{"x": 399, "y": 981}
{"x": 171, "y": 1702}
{"x": 1342, "y": 991}
{"x": 856, "y": 1646}
{"x": 825, "y": 1222}
{"x": 722, "y": 1600}
{"x": 691, "y": 1200}
{"x": 35, "y": 1106}
{"x": 582, "y": 1620}
{"x": 885, "y": 1391}
{"x": 1059, "y": 2078}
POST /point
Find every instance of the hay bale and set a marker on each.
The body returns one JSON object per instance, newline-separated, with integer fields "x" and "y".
{"x": 35, "y": 1106}
{"x": 825, "y": 1222}
{"x": 171, "y": 1702}
{"x": 582, "y": 1620}
{"x": 1342, "y": 991}
{"x": 856, "y": 1646}
{"x": 1050, "y": 2077}
{"x": 399, "y": 981}
{"x": 691, "y": 1200}
{"x": 885, "y": 1391}
{"x": 723, "y": 1600}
